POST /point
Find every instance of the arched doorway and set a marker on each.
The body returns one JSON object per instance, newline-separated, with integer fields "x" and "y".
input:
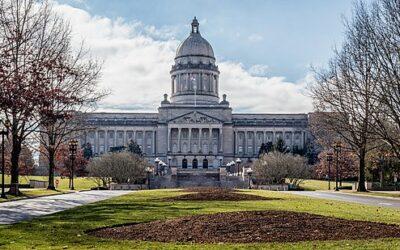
{"x": 195, "y": 163}
{"x": 205, "y": 163}
{"x": 184, "y": 163}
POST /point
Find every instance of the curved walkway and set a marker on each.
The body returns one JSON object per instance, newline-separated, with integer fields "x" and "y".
{"x": 355, "y": 198}
{"x": 15, "y": 211}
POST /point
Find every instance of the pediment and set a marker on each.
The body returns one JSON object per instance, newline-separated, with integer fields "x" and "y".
{"x": 195, "y": 118}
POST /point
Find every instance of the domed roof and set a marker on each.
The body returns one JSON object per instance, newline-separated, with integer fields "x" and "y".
{"x": 195, "y": 44}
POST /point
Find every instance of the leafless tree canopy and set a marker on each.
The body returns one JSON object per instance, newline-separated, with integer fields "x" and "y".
{"x": 43, "y": 81}
{"x": 357, "y": 96}
{"x": 121, "y": 167}
{"x": 276, "y": 167}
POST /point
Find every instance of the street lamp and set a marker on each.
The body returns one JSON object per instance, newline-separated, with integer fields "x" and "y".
{"x": 157, "y": 161}
{"x": 4, "y": 132}
{"x": 238, "y": 161}
{"x": 220, "y": 158}
{"x": 73, "y": 147}
{"x": 169, "y": 161}
{"x": 337, "y": 147}
{"x": 148, "y": 172}
{"x": 329, "y": 159}
{"x": 249, "y": 173}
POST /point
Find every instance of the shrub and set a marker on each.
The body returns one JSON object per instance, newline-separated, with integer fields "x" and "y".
{"x": 275, "y": 167}
{"x": 122, "y": 167}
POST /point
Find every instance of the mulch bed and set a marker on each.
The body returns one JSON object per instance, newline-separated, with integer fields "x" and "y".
{"x": 215, "y": 194}
{"x": 249, "y": 227}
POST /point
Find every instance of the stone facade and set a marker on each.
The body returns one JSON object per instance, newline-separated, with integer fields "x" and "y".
{"x": 195, "y": 129}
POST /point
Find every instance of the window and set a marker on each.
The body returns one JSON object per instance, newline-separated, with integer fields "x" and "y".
{"x": 184, "y": 163}
{"x": 205, "y": 163}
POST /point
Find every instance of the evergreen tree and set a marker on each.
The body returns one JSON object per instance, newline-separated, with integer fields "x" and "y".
{"x": 280, "y": 146}
{"x": 134, "y": 148}
{"x": 87, "y": 151}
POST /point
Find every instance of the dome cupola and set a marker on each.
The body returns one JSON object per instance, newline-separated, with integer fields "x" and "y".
{"x": 195, "y": 44}
{"x": 194, "y": 75}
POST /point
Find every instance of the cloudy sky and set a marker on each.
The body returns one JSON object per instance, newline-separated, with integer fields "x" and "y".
{"x": 264, "y": 48}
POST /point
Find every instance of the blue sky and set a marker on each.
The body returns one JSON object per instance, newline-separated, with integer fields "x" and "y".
{"x": 285, "y": 35}
{"x": 274, "y": 39}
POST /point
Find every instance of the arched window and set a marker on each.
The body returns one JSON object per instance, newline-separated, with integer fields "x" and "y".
{"x": 184, "y": 147}
{"x": 184, "y": 163}
{"x": 174, "y": 148}
{"x": 195, "y": 148}
{"x": 205, "y": 163}
{"x": 195, "y": 163}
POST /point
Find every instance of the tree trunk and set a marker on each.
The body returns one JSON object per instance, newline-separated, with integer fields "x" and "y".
{"x": 361, "y": 174}
{"x": 51, "y": 169}
{"x": 15, "y": 153}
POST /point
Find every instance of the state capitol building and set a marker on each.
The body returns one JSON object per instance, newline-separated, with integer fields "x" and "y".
{"x": 194, "y": 128}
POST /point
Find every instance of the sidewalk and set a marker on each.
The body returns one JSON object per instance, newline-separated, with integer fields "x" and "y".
{"x": 15, "y": 211}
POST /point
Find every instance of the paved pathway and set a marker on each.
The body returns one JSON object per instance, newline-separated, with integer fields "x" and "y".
{"x": 15, "y": 211}
{"x": 362, "y": 199}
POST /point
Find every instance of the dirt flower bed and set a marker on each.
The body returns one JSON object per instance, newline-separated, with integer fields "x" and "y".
{"x": 215, "y": 194}
{"x": 249, "y": 227}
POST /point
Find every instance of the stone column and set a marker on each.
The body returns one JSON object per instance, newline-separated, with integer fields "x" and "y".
{"x": 144, "y": 141}
{"x": 200, "y": 83}
{"x": 179, "y": 140}
{"x": 106, "y": 140}
{"x": 209, "y": 140}
{"x": 96, "y": 142}
{"x": 154, "y": 142}
{"x": 200, "y": 147}
{"x": 245, "y": 142}
{"x": 169, "y": 140}
{"x": 172, "y": 84}
{"x": 190, "y": 139}
{"x": 220, "y": 139}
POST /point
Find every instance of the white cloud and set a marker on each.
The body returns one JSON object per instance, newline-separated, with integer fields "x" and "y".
{"x": 258, "y": 70}
{"x": 138, "y": 59}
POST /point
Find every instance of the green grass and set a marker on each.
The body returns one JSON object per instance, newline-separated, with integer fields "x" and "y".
{"x": 80, "y": 183}
{"x": 312, "y": 185}
{"x": 32, "y": 193}
{"x": 67, "y": 229}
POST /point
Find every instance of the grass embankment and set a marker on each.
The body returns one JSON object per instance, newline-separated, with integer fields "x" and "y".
{"x": 312, "y": 185}
{"x": 67, "y": 229}
{"x": 80, "y": 183}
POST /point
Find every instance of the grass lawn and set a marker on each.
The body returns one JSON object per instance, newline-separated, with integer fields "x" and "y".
{"x": 67, "y": 229}
{"x": 312, "y": 185}
{"x": 81, "y": 183}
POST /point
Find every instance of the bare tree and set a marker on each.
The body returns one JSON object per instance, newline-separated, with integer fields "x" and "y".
{"x": 30, "y": 39}
{"x": 383, "y": 26}
{"x": 343, "y": 93}
{"x": 72, "y": 91}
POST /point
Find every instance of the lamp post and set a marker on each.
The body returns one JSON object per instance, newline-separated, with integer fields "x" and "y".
{"x": 337, "y": 147}
{"x": 329, "y": 159}
{"x": 4, "y": 132}
{"x": 148, "y": 172}
{"x": 73, "y": 147}
{"x": 157, "y": 161}
{"x": 249, "y": 174}
{"x": 238, "y": 161}
{"x": 220, "y": 160}
{"x": 169, "y": 161}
